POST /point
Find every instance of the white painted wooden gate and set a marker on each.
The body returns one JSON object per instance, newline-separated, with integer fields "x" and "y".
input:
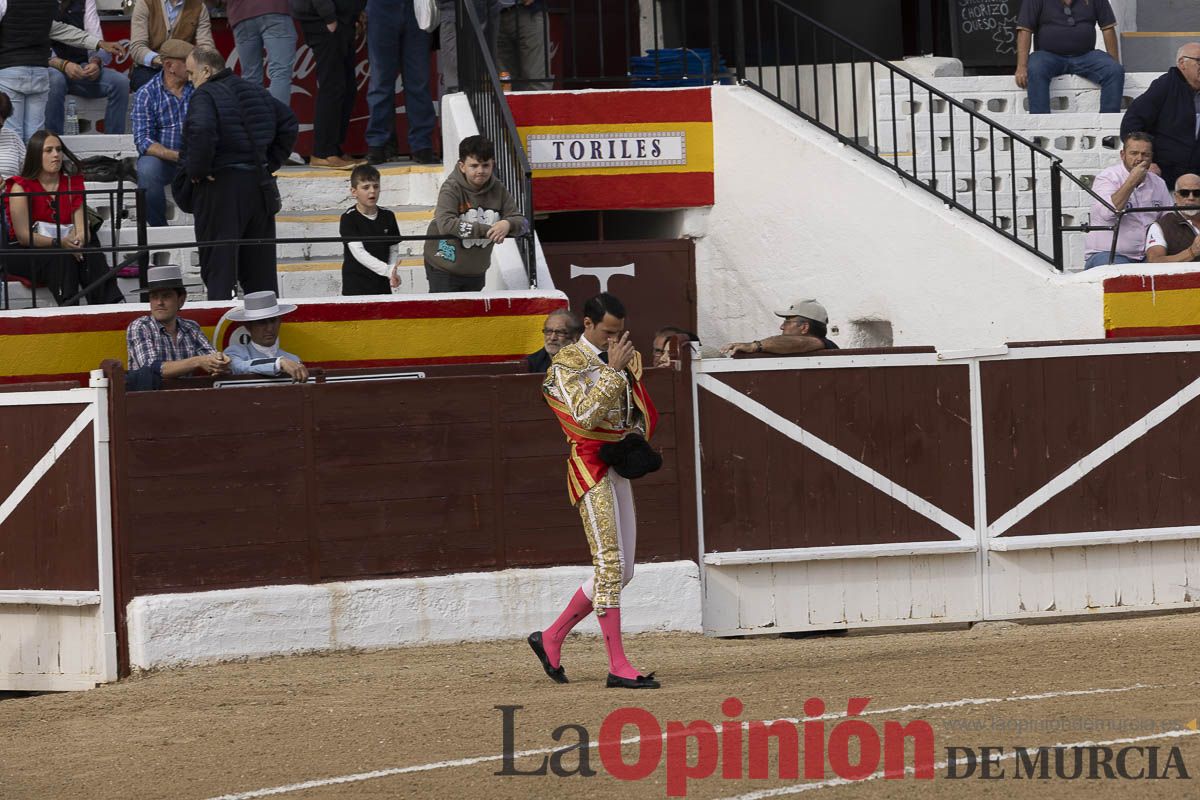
{"x": 57, "y": 615}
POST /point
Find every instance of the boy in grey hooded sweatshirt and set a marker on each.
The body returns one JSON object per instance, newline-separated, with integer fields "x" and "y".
{"x": 475, "y": 206}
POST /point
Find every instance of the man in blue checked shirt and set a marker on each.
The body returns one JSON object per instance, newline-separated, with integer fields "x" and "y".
{"x": 163, "y": 345}
{"x": 159, "y": 109}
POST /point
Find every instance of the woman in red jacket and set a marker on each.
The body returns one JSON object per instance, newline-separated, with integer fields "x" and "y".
{"x": 45, "y": 210}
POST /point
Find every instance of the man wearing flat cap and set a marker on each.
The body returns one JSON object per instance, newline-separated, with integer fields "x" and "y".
{"x": 262, "y": 314}
{"x": 159, "y": 109}
{"x": 164, "y": 345}
{"x": 802, "y": 331}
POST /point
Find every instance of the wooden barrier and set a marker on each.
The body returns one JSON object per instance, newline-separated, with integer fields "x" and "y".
{"x": 239, "y": 487}
{"x": 57, "y": 619}
{"x": 857, "y": 489}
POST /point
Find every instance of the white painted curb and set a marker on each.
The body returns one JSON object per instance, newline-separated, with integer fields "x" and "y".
{"x": 204, "y": 627}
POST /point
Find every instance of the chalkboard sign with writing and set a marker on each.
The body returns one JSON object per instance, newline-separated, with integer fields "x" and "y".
{"x": 983, "y": 33}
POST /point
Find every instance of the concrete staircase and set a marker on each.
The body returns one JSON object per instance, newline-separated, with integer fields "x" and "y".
{"x": 1086, "y": 140}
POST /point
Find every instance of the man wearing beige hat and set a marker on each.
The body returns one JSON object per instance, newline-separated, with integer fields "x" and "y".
{"x": 162, "y": 344}
{"x": 262, "y": 314}
{"x": 802, "y": 331}
{"x": 159, "y": 109}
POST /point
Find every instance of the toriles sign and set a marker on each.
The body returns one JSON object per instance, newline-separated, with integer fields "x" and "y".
{"x": 601, "y": 149}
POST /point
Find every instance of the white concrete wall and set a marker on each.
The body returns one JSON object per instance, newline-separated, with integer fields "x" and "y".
{"x": 177, "y": 629}
{"x": 799, "y": 215}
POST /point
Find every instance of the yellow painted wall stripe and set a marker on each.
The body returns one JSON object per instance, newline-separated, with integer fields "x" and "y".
{"x": 1161, "y": 309}
{"x": 411, "y": 216}
{"x": 320, "y": 266}
{"x": 699, "y": 146}
{"x": 343, "y": 340}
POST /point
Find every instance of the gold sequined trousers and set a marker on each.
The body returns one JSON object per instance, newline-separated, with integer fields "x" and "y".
{"x": 610, "y": 523}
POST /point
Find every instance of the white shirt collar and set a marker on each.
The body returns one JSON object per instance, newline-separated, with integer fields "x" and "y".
{"x": 266, "y": 352}
{"x": 583, "y": 340}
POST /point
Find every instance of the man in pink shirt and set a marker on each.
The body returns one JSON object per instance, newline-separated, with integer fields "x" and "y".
{"x": 1130, "y": 183}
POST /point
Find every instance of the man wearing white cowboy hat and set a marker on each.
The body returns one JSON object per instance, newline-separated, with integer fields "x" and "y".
{"x": 802, "y": 331}
{"x": 162, "y": 344}
{"x": 262, "y": 314}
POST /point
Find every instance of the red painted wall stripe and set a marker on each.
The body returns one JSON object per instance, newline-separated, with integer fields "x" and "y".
{"x": 1146, "y": 283}
{"x": 673, "y": 190}
{"x": 1171, "y": 330}
{"x": 590, "y": 108}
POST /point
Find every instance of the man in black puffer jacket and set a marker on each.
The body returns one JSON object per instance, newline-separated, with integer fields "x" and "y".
{"x": 1169, "y": 110}
{"x": 235, "y": 136}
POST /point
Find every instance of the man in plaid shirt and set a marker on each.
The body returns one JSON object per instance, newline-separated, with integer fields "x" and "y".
{"x": 159, "y": 109}
{"x": 161, "y": 345}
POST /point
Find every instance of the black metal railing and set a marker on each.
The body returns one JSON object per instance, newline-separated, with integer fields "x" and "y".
{"x": 929, "y": 138}
{"x": 140, "y": 254}
{"x": 479, "y": 79}
{"x": 116, "y": 202}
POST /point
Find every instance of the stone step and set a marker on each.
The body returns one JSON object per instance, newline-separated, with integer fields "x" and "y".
{"x": 1168, "y": 15}
{"x": 1154, "y": 48}
{"x": 999, "y": 94}
{"x": 309, "y": 189}
{"x": 323, "y": 278}
{"x": 412, "y": 221}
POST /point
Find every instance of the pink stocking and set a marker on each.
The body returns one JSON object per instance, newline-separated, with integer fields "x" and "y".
{"x": 610, "y": 625}
{"x": 554, "y": 636}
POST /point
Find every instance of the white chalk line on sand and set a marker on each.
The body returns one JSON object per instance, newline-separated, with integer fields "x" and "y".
{"x": 941, "y": 765}
{"x": 467, "y": 762}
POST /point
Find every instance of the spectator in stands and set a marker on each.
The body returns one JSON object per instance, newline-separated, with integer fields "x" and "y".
{"x": 475, "y": 211}
{"x": 1169, "y": 110}
{"x": 159, "y": 109}
{"x": 392, "y": 37}
{"x": 262, "y": 355}
{"x": 488, "y": 13}
{"x": 521, "y": 43}
{"x": 265, "y": 25}
{"x": 81, "y": 73}
{"x": 329, "y": 27}
{"x": 1130, "y": 183}
{"x": 662, "y": 344}
{"x": 803, "y": 331}
{"x": 153, "y": 22}
{"x": 26, "y": 30}
{"x": 164, "y": 345}
{"x": 560, "y": 328}
{"x": 234, "y": 138}
{"x": 12, "y": 149}
{"x": 368, "y": 267}
{"x": 1066, "y": 38}
{"x": 54, "y": 223}
{"x": 1175, "y": 237}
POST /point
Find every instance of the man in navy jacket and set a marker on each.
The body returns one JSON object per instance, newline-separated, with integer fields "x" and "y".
{"x": 235, "y": 136}
{"x": 1170, "y": 112}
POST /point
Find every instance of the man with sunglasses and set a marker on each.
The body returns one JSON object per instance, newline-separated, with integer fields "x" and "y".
{"x": 1169, "y": 110}
{"x": 1066, "y": 38}
{"x": 1175, "y": 237}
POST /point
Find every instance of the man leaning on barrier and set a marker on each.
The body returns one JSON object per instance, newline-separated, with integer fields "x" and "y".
{"x": 164, "y": 345}
{"x": 262, "y": 314}
{"x": 1175, "y": 237}
{"x": 1130, "y": 183}
{"x": 560, "y": 329}
{"x": 802, "y": 331}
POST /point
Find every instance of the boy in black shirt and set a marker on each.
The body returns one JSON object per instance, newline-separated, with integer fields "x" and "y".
{"x": 368, "y": 267}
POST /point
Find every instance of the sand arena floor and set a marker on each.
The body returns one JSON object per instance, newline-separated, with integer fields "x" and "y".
{"x": 424, "y": 719}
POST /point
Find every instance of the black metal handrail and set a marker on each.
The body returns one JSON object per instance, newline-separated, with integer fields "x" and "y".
{"x": 768, "y": 27}
{"x": 139, "y": 253}
{"x": 478, "y": 78}
{"x": 116, "y": 204}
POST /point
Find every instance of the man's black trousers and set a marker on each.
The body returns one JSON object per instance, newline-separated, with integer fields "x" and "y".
{"x": 232, "y": 207}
